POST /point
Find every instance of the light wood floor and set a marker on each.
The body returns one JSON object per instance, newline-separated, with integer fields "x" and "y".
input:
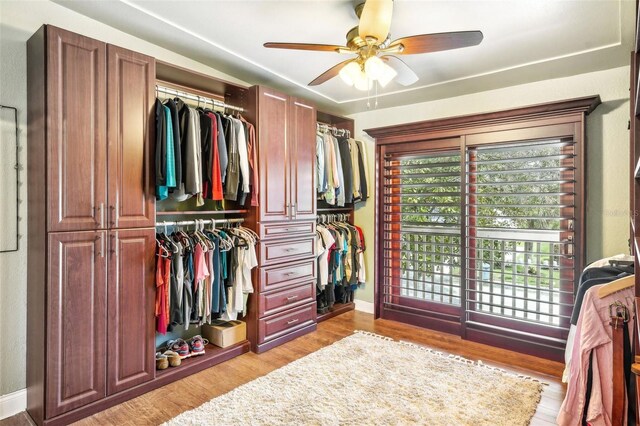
{"x": 162, "y": 404}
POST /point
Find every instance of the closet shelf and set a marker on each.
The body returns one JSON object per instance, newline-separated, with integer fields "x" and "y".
{"x": 199, "y": 212}
{"x": 213, "y": 355}
{"x": 338, "y": 309}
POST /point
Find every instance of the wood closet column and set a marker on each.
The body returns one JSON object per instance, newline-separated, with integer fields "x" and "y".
{"x": 90, "y": 324}
{"x": 283, "y": 305}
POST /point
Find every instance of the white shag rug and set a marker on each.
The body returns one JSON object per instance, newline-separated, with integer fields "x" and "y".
{"x": 367, "y": 379}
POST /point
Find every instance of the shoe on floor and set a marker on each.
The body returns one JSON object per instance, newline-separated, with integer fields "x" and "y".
{"x": 197, "y": 344}
{"x": 162, "y": 362}
{"x": 180, "y": 347}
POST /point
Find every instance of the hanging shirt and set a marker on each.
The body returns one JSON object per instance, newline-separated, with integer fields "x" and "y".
{"x": 184, "y": 117}
{"x": 340, "y": 190}
{"x": 347, "y": 170}
{"x": 321, "y": 184}
{"x": 177, "y": 150}
{"x": 233, "y": 166}
{"x": 593, "y": 341}
{"x": 355, "y": 156}
{"x": 323, "y": 259}
{"x": 252, "y": 151}
{"x": 222, "y": 149}
{"x": 243, "y": 157}
{"x": 331, "y": 171}
{"x": 364, "y": 171}
{"x": 161, "y": 145}
{"x": 213, "y": 188}
{"x": 162, "y": 192}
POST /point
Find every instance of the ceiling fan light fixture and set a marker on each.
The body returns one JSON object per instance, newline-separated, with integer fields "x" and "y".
{"x": 388, "y": 74}
{"x": 350, "y": 73}
{"x": 374, "y": 67}
{"x": 362, "y": 81}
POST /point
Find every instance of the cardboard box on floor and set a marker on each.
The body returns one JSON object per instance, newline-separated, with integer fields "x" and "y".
{"x": 225, "y": 333}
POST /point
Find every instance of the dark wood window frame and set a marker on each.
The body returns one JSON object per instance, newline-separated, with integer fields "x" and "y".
{"x": 566, "y": 117}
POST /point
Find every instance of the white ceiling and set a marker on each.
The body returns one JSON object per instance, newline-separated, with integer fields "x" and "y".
{"x": 524, "y": 41}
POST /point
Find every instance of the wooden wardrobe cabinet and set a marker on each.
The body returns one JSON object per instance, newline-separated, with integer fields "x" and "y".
{"x": 286, "y": 134}
{"x": 283, "y": 304}
{"x": 91, "y": 291}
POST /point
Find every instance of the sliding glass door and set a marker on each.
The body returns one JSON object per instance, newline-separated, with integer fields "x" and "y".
{"x": 479, "y": 239}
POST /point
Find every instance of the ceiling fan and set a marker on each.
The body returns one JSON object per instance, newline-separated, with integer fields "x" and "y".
{"x": 371, "y": 42}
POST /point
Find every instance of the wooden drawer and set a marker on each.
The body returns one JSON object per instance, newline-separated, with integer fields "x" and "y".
{"x": 272, "y": 303}
{"x": 272, "y": 252}
{"x": 269, "y": 231}
{"x": 286, "y": 322}
{"x": 288, "y": 275}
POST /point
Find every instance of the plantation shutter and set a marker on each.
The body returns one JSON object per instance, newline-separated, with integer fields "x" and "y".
{"x": 520, "y": 216}
{"x": 422, "y": 231}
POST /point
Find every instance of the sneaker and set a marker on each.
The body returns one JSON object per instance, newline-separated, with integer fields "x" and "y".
{"x": 180, "y": 347}
{"x": 197, "y": 345}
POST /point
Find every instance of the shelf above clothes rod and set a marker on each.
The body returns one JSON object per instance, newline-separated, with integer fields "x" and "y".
{"x": 203, "y": 221}
{"x": 197, "y": 98}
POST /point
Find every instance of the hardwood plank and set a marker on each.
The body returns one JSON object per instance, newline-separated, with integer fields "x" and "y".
{"x": 162, "y": 404}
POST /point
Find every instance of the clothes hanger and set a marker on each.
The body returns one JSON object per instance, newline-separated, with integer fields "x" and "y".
{"x": 616, "y": 286}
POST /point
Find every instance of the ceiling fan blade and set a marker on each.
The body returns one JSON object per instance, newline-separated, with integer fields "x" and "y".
{"x": 330, "y": 73}
{"x": 306, "y": 46}
{"x": 426, "y": 43}
{"x": 375, "y": 19}
{"x": 406, "y": 76}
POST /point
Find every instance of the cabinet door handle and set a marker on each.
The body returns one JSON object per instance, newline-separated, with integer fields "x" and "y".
{"x": 114, "y": 245}
{"x": 293, "y": 211}
{"x": 293, "y": 321}
{"x": 98, "y": 215}
{"x": 112, "y": 215}
{"x": 99, "y": 242}
{"x": 289, "y": 210}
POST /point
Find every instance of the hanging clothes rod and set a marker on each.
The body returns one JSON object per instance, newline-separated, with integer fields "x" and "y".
{"x": 335, "y": 130}
{"x": 332, "y": 217}
{"x": 197, "y": 98}
{"x": 202, "y": 221}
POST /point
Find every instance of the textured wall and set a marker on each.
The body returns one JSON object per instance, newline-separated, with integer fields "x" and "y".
{"x": 607, "y": 150}
{"x": 18, "y": 21}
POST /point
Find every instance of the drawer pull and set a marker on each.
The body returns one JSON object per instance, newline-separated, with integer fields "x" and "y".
{"x": 290, "y": 249}
{"x": 288, "y": 274}
{"x": 291, "y": 298}
{"x": 293, "y": 321}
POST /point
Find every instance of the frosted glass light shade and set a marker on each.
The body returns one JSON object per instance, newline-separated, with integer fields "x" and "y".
{"x": 349, "y": 73}
{"x": 388, "y": 74}
{"x": 374, "y": 67}
{"x": 362, "y": 82}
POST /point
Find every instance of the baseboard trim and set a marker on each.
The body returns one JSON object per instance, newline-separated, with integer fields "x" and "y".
{"x": 13, "y": 403}
{"x": 364, "y": 306}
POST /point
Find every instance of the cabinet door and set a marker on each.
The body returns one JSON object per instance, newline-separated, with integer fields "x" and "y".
{"x": 131, "y": 79}
{"x": 131, "y": 292}
{"x": 76, "y": 334}
{"x": 302, "y": 137}
{"x": 76, "y": 131}
{"x": 273, "y": 150}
